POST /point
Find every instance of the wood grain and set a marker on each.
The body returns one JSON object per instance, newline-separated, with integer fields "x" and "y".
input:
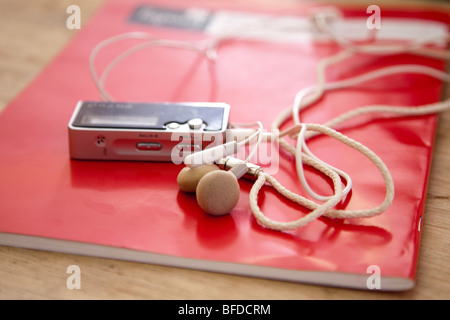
{"x": 31, "y": 34}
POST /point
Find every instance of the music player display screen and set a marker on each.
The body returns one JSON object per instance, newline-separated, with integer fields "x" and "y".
{"x": 112, "y": 120}
{"x": 145, "y": 115}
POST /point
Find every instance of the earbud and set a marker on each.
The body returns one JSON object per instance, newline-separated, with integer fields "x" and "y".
{"x": 217, "y": 191}
{"x": 188, "y": 178}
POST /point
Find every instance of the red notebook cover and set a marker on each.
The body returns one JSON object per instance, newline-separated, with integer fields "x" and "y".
{"x": 135, "y": 211}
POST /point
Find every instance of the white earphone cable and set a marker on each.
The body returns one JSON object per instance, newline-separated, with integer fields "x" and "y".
{"x": 313, "y": 93}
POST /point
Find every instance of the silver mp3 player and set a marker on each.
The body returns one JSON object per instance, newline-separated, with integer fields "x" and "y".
{"x": 145, "y": 131}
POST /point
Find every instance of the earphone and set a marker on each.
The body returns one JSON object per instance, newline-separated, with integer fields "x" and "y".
{"x": 218, "y": 191}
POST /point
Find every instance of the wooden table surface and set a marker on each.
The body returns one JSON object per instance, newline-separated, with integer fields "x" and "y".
{"x": 31, "y": 34}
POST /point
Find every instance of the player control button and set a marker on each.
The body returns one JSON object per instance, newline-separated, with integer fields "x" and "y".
{"x": 148, "y": 146}
{"x": 195, "y": 123}
{"x": 173, "y": 125}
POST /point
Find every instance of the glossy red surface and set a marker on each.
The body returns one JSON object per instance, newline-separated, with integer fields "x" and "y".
{"x": 138, "y": 205}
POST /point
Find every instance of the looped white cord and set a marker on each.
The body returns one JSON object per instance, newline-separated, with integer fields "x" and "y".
{"x": 325, "y": 208}
{"x": 301, "y": 146}
{"x": 315, "y": 92}
{"x": 208, "y": 52}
